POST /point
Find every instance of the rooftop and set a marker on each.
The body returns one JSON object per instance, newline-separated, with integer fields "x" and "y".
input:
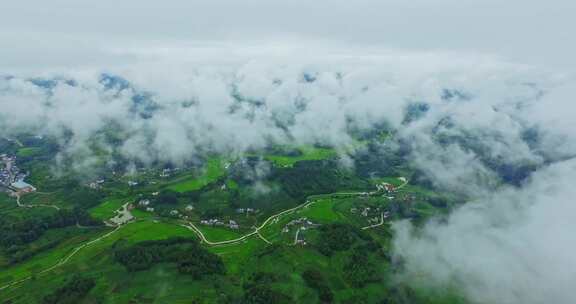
{"x": 21, "y": 185}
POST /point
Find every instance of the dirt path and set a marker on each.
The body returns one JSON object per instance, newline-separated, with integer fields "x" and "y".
{"x": 377, "y": 224}
{"x": 32, "y": 206}
{"x": 263, "y": 238}
{"x": 63, "y": 260}
{"x": 296, "y": 236}
{"x": 16, "y": 141}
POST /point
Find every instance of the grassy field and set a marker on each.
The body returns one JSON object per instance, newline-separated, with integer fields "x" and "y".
{"x": 115, "y": 285}
{"x": 322, "y": 211}
{"x": 107, "y": 209}
{"x": 236, "y": 255}
{"x": 46, "y": 259}
{"x": 213, "y": 171}
{"x": 28, "y": 152}
{"x": 141, "y": 231}
{"x": 216, "y": 234}
{"x": 308, "y": 153}
{"x": 231, "y": 184}
{"x": 133, "y": 232}
{"x": 390, "y": 180}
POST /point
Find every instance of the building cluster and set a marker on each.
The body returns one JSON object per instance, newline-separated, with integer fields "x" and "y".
{"x": 216, "y": 222}
{"x": 188, "y": 208}
{"x": 176, "y": 213}
{"x": 373, "y": 215}
{"x": 386, "y": 188}
{"x": 365, "y": 211}
{"x": 301, "y": 224}
{"x": 123, "y": 216}
{"x": 11, "y": 177}
{"x": 168, "y": 172}
{"x": 145, "y": 204}
{"x": 97, "y": 184}
{"x": 8, "y": 170}
{"x": 246, "y": 210}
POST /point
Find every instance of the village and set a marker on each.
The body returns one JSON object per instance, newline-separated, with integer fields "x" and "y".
{"x": 184, "y": 214}
{"x": 11, "y": 177}
{"x": 300, "y": 225}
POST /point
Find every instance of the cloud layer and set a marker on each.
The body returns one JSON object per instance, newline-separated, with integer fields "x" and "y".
{"x": 514, "y": 246}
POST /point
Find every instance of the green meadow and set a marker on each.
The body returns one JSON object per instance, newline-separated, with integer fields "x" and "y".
{"x": 107, "y": 209}
{"x": 308, "y": 153}
{"x": 213, "y": 170}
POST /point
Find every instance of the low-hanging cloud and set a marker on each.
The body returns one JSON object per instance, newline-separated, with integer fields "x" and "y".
{"x": 173, "y": 109}
{"x": 507, "y": 244}
{"x": 514, "y": 246}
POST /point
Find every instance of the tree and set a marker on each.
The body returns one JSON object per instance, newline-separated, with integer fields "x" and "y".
{"x": 72, "y": 292}
{"x": 167, "y": 197}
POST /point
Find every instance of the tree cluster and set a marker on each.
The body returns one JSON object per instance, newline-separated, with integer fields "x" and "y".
{"x": 18, "y": 231}
{"x": 340, "y": 237}
{"x": 258, "y": 289}
{"x": 359, "y": 269}
{"x": 191, "y": 258}
{"x": 72, "y": 292}
{"x": 315, "y": 280}
{"x": 316, "y": 177}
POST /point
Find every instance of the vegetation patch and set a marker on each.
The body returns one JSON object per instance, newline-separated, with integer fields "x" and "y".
{"x": 107, "y": 209}
{"x": 213, "y": 171}
{"x": 72, "y": 292}
{"x": 305, "y": 153}
{"x": 191, "y": 258}
{"x": 28, "y": 152}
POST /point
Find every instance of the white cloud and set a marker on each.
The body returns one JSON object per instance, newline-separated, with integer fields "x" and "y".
{"x": 514, "y": 246}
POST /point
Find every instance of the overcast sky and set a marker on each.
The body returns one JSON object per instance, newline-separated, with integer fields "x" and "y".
{"x": 37, "y": 33}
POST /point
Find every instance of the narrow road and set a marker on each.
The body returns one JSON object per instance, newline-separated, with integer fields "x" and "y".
{"x": 15, "y": 140}
{"x": 32, "y": 206}
{"x": 263, "y": 238}
{"x": 63, "y": 260}
{"x": 377, "y": 224}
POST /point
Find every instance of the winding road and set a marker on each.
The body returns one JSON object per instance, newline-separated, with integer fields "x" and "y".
{"x": 202, "y": 237}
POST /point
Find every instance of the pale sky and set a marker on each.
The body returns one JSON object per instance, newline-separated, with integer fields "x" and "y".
{"x": 66, "y": 32}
